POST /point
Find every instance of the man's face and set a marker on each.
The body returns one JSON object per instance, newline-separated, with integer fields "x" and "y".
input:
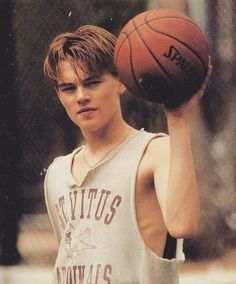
{"x": 91, "y": 101}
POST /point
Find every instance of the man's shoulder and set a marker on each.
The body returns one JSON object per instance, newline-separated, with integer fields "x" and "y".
{"x": 157, "y": 139}
{"x": 158, "y": 147}
{"x": 149, "y": 137}
{"x": 60, "y": 159}
{"x": 62, "y": 162}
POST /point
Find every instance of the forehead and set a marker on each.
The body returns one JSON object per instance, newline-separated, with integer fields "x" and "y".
{"x": 68, "y": 72}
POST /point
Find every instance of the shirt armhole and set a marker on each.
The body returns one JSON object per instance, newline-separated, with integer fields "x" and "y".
{"x": 49, "y": 207}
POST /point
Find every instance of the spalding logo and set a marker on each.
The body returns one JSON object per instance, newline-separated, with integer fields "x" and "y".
{"x": 174, "y": 55}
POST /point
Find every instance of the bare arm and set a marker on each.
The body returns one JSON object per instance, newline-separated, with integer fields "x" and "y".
{"x": 174, "y": 173}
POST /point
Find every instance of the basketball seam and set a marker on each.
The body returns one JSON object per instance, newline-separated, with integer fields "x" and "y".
{"x": 182, "y": 42}
{"x": 132, "y": 67}
{"x": 118, "y": 51}
{"x": 156, "y": 19}
{"x": 157, "y": 61}
{"x": 127, "y": 36}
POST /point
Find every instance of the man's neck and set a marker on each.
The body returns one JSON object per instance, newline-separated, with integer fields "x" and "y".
{"x": 109, "y": 136}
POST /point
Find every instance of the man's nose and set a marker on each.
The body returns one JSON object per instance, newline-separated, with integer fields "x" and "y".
{"x": 82, "y": 95}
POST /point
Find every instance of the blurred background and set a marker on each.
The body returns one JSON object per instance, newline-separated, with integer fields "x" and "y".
{"x": 34, "y": 129}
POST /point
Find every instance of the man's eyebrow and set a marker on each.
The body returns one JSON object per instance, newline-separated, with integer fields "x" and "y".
{"x": 87, "y": 79}
{"x": 61, "y": 85}
{"x": 92, "y": 77}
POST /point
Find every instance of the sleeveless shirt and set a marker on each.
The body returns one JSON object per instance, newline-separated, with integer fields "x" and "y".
{"x": 96, "y": 226}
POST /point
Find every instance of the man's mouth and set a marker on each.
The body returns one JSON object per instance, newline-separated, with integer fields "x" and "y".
{"x": 86, "y": 110}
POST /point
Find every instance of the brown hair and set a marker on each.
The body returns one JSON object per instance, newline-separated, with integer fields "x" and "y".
{"x": 89, "y": 48}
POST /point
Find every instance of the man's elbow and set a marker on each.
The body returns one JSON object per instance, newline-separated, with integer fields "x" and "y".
{"x": 183, "y": 230}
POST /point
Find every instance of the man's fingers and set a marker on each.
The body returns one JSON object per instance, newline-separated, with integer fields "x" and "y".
{"x": 207, "y": 78}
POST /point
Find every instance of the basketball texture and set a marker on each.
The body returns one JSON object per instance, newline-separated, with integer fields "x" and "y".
{"x": 162, "y": 56}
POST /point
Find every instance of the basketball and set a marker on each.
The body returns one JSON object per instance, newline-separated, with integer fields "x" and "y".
{"x": 162, "y": 56}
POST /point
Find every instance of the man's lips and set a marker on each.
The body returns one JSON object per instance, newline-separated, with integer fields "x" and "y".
{"x": 86, "y": 110}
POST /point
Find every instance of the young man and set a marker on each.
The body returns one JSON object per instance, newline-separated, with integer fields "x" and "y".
{"x": 113, "y": 200}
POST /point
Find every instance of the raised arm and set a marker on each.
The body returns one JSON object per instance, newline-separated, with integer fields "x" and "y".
{"x": 174, "y": 173}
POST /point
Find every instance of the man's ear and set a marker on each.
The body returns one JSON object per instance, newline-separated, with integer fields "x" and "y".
{"x": 122, "y": 88}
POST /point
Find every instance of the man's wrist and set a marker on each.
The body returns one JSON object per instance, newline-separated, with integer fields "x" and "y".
{"x": 177, "y": 120}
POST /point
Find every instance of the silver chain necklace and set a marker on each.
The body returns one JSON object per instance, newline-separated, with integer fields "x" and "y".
{"x": 106, "y": 153}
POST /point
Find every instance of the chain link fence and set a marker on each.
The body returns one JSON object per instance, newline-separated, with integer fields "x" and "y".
{"x": 44, "y": 131}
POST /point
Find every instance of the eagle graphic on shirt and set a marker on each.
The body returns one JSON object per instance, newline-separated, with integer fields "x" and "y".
{"x": 77, "y": 239}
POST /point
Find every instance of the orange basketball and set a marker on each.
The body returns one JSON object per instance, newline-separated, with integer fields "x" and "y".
{"x": 162, "y": 56}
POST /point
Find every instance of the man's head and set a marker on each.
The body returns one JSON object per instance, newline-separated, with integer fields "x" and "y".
{"x": 81, "y": 67}
{"x": 89, "y": 48}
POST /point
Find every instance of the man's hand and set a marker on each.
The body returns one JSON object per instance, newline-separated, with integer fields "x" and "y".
{"x": 185, "y": 109}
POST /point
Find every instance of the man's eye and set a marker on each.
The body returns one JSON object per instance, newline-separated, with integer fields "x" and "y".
{"x": 68, "y": 89}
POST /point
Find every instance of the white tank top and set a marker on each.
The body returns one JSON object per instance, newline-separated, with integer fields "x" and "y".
{"x": 96, "y": 226}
